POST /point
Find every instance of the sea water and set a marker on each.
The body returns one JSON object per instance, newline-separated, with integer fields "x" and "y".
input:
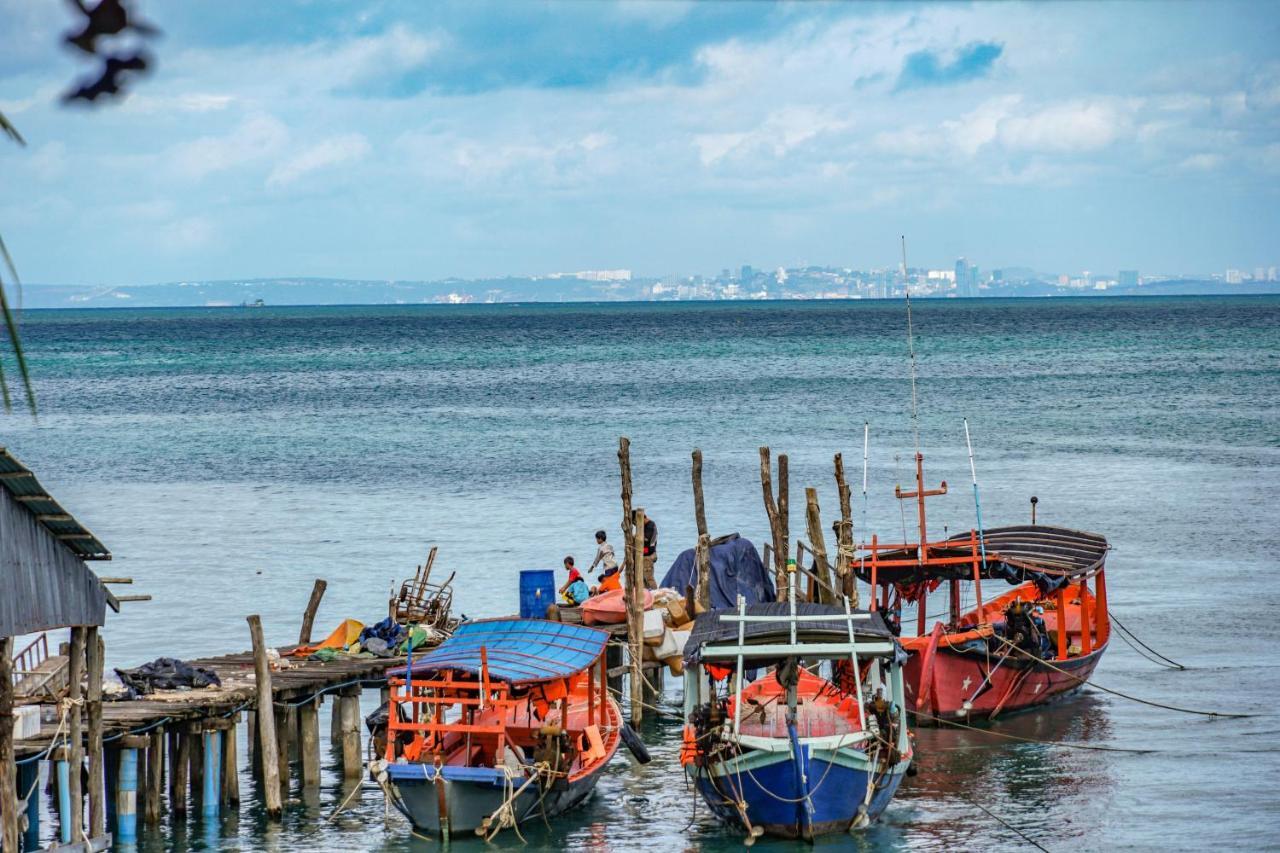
{"x": 227, "y": 457}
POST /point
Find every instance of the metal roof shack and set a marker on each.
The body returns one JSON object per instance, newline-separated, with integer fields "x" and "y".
{"x": 44, "y": 582}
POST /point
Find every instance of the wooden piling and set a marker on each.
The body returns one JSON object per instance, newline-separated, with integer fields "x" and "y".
{"x": 8, "y": 769}
{"x": 703, "y": 551}
{"x": 309, "y": 742}
{"x": 635, "y": 616}
{"x": 126, "y": 787}
{"x": 180, "y": 770}
{"x": 844, "y": 536}
{"x": 335, "y": 726}
{"x": 194, "y": 735}
{"x": 624, "y": 465}
{"x": 779, "y": 513}
{"x": 818, "y": 547}
{"x": 155, "y": 778}
{"x": 211, "y": 781}
{"x": 75, "y": 734}
{"x": 93, "y": 704}
{"x": 309, "y": 616}
{"x": 266, "y": 720}
{"x": 349, "y": 704}
{"x": 230, "y": 766}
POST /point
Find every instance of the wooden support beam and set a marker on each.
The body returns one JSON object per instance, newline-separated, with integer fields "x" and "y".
{"x": 635, "y": 616}
{"x": 284, "y": 734}
{"x": 266, "y": 720}
{"x": 16, "y": 475}
{"x": 75, "y": 730}
{"x": 32, "y": 498}
{"x": 53, "y": 517}
{"x": 818, "y": 547}
{"x": 180, "y": 772}
{"x": 8, "y": 769}
{"x": 115, "y": 580}
{"x": 779, "y": 514}
{"x": 624, "y": 466}
{"x": 230, "y": 766}
{"x": 309, "y": 615}
{"x": 133, "y": 598}
{"x": 309, "y": 743}
{"x": 703, "y": 551}
{"x": 844, "y": 536}
{"x": 154, "y": 791}
{"x": 349, "y": 703}
{"x": 194, "y": 735}
{"x": 93, "y": 703}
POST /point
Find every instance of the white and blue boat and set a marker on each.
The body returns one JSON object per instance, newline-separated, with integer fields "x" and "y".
{"x": 795, "y": 717}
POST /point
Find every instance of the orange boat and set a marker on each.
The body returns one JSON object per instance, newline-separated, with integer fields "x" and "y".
{"x": 608, "y": 608}
{"x": 1026, "y": 647}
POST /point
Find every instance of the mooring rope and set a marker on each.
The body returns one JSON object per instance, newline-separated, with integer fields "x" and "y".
{"x": 1169, "y": 662}
{"x": 1005, "y": 823}
{"x": 1138, "y": 699}
{"x": 1066, "y": 744}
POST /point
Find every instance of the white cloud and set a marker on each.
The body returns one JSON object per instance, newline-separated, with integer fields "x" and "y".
{"x": 255, "y": 139}
{"x": 1064, "y": 128}
{"x": 1202, "y": 162}
{"x": 335, "y": 151}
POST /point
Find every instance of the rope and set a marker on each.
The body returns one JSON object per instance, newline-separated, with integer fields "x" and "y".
{"x": 1067, "y": 744}
{"x": 355, "y": 790}
{"x": 1171, "y": 663}
{"x": 1123, "y": 695}
{"x": 1005, "y": 824}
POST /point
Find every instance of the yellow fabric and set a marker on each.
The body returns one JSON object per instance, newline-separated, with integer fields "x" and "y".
{"x": 342, "y": 637}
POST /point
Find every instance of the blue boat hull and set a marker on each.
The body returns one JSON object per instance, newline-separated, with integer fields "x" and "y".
{"x": 775, "y": 796}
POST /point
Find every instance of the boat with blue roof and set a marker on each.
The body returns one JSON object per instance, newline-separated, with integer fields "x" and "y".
{"x": 507, "y": 721}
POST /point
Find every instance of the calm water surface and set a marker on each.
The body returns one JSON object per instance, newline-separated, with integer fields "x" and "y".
{"x": 228, "y": 457}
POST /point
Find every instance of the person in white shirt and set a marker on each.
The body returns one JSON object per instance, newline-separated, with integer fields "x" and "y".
{"x": 604, "y": 555}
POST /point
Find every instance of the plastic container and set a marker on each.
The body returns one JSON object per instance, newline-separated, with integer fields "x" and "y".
{"x": 537, "y": 592}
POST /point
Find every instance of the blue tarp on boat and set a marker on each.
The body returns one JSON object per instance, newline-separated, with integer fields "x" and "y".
{"x": 736, "y": 570}
{"x": 519, "y": 651}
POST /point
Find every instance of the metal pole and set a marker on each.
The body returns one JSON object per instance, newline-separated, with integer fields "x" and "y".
{"x": 977, "y": 505}
{"x": 64, "y": 799}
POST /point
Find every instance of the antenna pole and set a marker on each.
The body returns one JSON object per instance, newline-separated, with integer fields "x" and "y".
{"x": 911, "y": 348}
{"x": 977, "y": 504}
{"x": 866, "y": 443}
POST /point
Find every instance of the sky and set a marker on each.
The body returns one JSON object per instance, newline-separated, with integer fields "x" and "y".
{"x": 406, "y": 140}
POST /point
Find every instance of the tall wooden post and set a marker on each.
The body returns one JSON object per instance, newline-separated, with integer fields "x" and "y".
{"x": 844, "y": 536}
{"x": 703, "y": 551}
{"x": 309, "y": 617}
{"x": 8, "y": 769}
{"x": 230, "y": 766}
{"x": 624, "y": 465}
{"x": 75, "y": 733}
{"x": 180, "y": 771}
{"x": 93, "y": 703}
{"x": 635, "y": 617}
{"x": 778, "y": 511}
{"x": 266, "y": 720}
{"x": 818, "y": 546}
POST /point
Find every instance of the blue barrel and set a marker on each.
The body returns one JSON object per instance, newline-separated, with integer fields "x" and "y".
{"x": 537, "y": 590}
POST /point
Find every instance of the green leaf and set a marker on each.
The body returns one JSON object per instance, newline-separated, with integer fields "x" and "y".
{"x": 12, "y": 326}
{"x": 10, "y": 131}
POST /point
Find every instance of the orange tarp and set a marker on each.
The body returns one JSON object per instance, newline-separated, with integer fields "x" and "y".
{"x": 343, "y": 636}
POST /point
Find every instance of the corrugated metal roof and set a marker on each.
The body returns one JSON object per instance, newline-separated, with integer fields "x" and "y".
{"x": 26, "y": 490}
{"x": 518, "y": 651}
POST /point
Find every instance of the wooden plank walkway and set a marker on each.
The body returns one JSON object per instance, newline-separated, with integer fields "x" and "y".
{"x": 298, "y": 679}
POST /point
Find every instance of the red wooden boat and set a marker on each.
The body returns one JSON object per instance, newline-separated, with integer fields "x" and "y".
{"x": 608, "y": 608}
{"x": 1030, "y": 645}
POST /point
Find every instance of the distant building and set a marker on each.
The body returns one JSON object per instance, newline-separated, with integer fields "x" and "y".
{"x": 1128, "y": 278}
{"x": 1259, "y": 274}
{"x": 747, "y": 274}
{"x": 1271, "y": 273}
{"x": 962, "y": 276}
{"x": 1234, "y": 277}
{"x": 997, "y": 275}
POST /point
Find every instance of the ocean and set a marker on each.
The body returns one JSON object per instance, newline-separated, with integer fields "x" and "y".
{"x": 228, "y": 457}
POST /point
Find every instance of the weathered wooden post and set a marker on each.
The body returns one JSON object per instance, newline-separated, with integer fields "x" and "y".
{"x": 349, "y": 704}
{"x": 177, "y": 773}
{"x": 309, "y": 742}
{"x": 75, "y": 733}
{"x": 624, "y": 465}
{"x": 309, "y": 616}
{"x": 194, "y": 735}
{"x": 8, "y": 769}
{"x": 93, "y": 703}
{"x": 844, "y": 536}
{"x": 635, "y": 617}
{"x": 230, "y": 767}
{"x": 155, "y": 778}
{"x": 818, "y": 546}
{"x": 703, "y": 551}
{"x": 266, "y": 720}
{"x": 779, "y": 513}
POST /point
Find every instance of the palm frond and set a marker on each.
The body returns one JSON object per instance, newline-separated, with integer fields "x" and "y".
{"x": 7, "y": 128}
{"x": 11, "y": 326}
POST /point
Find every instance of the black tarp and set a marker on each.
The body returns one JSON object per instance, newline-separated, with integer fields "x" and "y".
{"x": 167, "y": 674}
{"x": 736, "y": 570}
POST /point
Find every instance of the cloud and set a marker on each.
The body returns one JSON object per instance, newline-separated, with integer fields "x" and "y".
{"x": 926, "y": 68}
{"x": 1064, "y": 128}
{"x": 256, "y": 138}
{"x": 1202, "y": 162}
{"x": 335, "y": 151}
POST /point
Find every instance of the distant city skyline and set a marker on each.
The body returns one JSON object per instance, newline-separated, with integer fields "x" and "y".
{"x": 478, "y": 140}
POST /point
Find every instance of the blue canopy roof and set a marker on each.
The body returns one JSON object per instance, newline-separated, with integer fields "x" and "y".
{"x": 518, "y": 650}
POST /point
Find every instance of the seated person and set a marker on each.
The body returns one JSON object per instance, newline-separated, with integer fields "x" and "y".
{"x": 575, "y": 588}
{"x": 609, "y": 581}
